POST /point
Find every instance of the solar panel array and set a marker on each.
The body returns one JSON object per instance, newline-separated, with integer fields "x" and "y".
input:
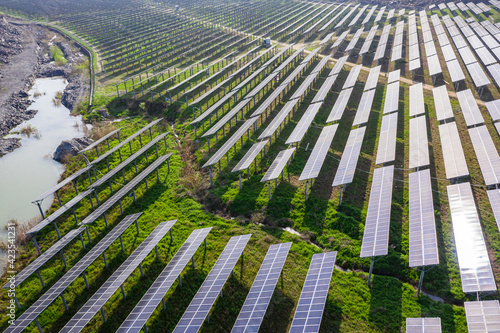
{"x": 340, "y": 105}
{"x": 391, "y": 102}
{"x": 303, "y": 124}
{"x": 378, "y": 217}
{"x": 469, "y": 107}
{"x": 417, "y": 106}
{"x": 262, "y": 290}
{"x": 278, "y": 164}
{"x": 423, "y": 325}
{"x": 309, "y": 311}
{"x": 382, "y": 43}
{"x": 482, "y": 316}
{"x": 315, "y": 162}
{"x": 98, "y": 142}
{"x": 352, "y": 77}
{"x": 349, "y": 160}
{"x": 101, "y": 296}
{"x": 486, "y": 153}
{"x": 419, "y": 146}
{"x": 423, "y": 240}
{"x": 442, "y": 103}
{"x": 364, "y": 108}
{"x": 414, "y": 43}
{"x": 36, "y": 264}
{"x": 453, "y": 154}
{"x": 398, "y": 41}
{"x": 368, "y": 41}
{"x": 200, "y": 305}
{"x": 354, "y": 40}
{"x": 250, "y": 155}
{"x": 58, "y": 288}
{"x": 386, "y": 151}
{"x": 475, "y": 267}
{"x": 372, "y": 80}
{"x": 148, "y": 303}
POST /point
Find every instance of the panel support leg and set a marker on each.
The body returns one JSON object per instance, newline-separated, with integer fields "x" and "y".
{"x": 420, "y": 281}
{"x": 370, "y": 273}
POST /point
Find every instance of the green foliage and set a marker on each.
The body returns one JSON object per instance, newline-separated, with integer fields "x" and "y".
{"x": 58, "y": 56}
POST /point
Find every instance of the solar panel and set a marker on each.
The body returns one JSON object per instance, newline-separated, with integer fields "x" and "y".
{"x": 380, "y": 52}
{"x": 43, "y": 258}
{"x": 434, "y": 65}
{"x": 260, "y": 294}
{"x": 414, "y": 52}
{"x": 309, "y": 311}
{"x": 364, "y": 108}
{"x": 477, "y": 74}
{"x": 473, "y": 40}
{"x": 310, "y": 56}
{"x": 333, "y": 18}
{"x": 454, "y": 159}
{"x": 475, "y": 267}
{"x": 101, "y": 296}
{"x": 455, "y": 71}
{"x": 340, "y": 39}
{"x": 448, "y": 52}
{"x": 278, "y": 119}
{"x": 469, "y": 107}
{"x": 124, "y": 190}
{"x": 394, "y": 76}
{"x": 198, "y": 309}
{"x": 124, "y": 142}
{"x": 353, "y": 76}
{"x": 378, "y": 216}
{"x": 467, "y": 56}
{"x": 494, "y": 196}
{"x": 391, "y": 102}
{"x": 354, "y": 40}
{"x": 423, "y": 240}
{"x": 315, "y": 162}
{"x": 338, "y": 66}
{"x": 324, "y": 89}
{"x": 358, "y": 15}
{"x": 495, "y": 72}
{"x": 430, "y": 49}
{"x": 251, "y": 154}
{"x": 304, "y": 86}
{"x": 303, "y": 124}
{"x": 416, "y": 99}
{"x": 148, "y": 303}
{"x": 58, "y": 288}
{"x": 423, "y": 325}
{"x": 442, "y": 103}
{"x": 340, "y": 105}
{"x": 419, "y": 146}
{"x": 494, "y": 109}
{"x": 482, "y": 316}
{"x": 319, "y": 67}
{"x": 349, "y": 160}
{"x": 278, "y": 165}
{"x": 98, "y": 142}
{"x": 372, "y": 80}
{"x": 230, "y": 142}
{"x": 381, "y": 13}
{"x": 386, "y": 151}
{"x": 369, "y": 15}
{"x": 486, "y": 153}
{"x": 401, "y": 12}
{"x": 414, "y": 64}
{"x": 208, "y": 112}
{"x": 443, "y": 40}
{"x": 490, "y": 41}
{"x": 390, "y": 15}
{"x": 63, "y": 209}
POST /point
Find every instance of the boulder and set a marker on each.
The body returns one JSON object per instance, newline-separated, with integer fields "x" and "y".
{"x": 71, "y": 147}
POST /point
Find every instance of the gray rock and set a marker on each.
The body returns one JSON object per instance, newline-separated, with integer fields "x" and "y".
{"x": 103, "y": 112}
{"x": 71, "y": 147}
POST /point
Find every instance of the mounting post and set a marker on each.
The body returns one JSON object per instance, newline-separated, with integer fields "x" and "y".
{"x": 370, "y": 273}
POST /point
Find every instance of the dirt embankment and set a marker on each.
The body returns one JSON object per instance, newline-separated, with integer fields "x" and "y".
{"x": 24, "y": 57}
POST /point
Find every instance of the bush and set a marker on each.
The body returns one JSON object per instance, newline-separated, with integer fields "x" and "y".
{"x": 58, "y": 56}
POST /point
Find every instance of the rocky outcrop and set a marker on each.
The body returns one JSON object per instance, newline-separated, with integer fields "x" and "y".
{"x": 74, "y": 92}
{"x": 71, "y": 147}
{"x": 10, "y": 41}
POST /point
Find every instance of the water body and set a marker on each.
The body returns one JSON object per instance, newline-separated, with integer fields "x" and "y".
{"x": 30, "y": 170}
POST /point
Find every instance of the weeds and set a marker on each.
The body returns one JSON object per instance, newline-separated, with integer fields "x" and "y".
{"x": 58, "y": 56}
{"x": 57, "y": 99}
{"x": 30, "y": 130}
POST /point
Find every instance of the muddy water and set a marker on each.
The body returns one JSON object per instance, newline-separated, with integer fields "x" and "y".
{"x": 30, "y": 170}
